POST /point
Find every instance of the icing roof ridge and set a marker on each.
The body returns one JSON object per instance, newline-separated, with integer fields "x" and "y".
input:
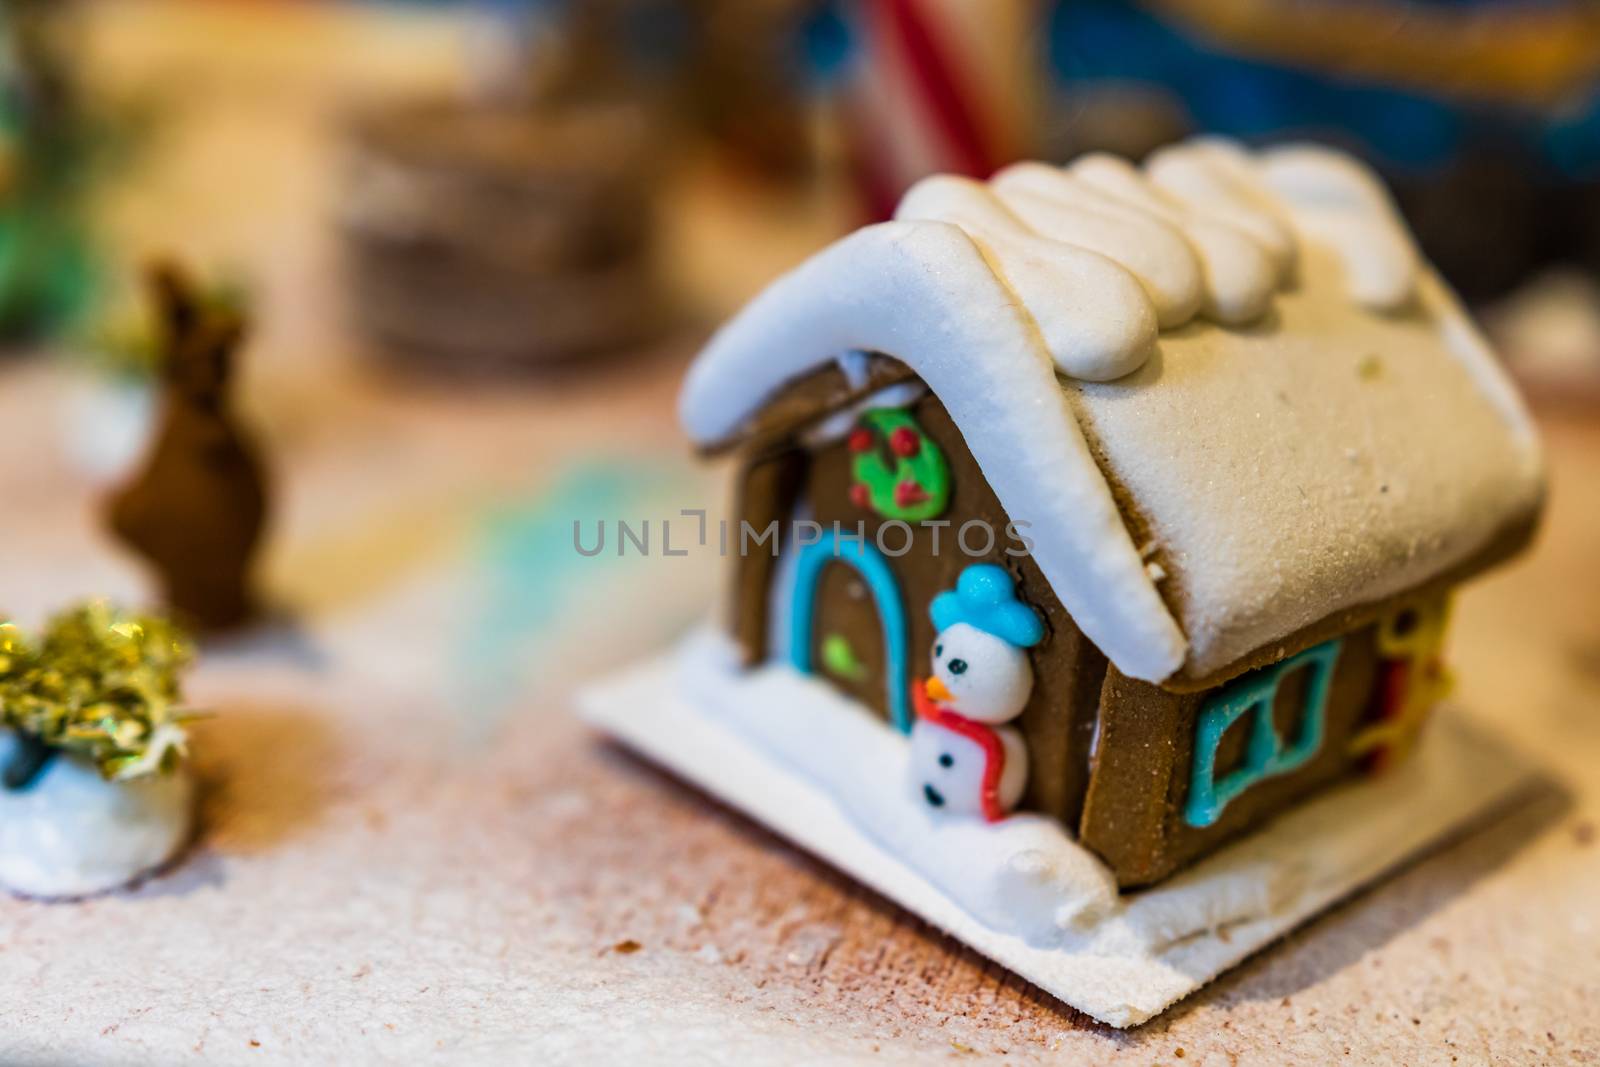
{"x": 1206, "y": 228}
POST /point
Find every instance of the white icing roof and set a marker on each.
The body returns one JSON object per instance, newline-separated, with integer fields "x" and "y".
{"x": 1303, "y": 416}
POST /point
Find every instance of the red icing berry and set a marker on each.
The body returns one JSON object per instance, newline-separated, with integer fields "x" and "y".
{"x": 859, "y": 495}
{"x": 908, "y": 494}
{"x": 860, "y": 440}
{"x": 905, "y": 442}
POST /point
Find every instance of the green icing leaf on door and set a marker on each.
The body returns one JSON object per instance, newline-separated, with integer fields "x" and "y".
{"x": 840, "y": 659}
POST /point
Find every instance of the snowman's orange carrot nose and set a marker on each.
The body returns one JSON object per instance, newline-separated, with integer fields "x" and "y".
{"x": 937, "y": 690}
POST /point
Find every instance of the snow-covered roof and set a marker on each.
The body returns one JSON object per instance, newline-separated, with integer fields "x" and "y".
{"x": 1246, "y": 344}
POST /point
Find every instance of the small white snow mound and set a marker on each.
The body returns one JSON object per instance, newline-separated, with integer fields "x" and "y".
{"x": 1064, "y": 888}
{"x": 72, "y": 833}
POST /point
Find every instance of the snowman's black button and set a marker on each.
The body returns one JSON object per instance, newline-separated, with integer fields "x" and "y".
{"x": 946, "y": 760}
{"x": 935, "y": 797}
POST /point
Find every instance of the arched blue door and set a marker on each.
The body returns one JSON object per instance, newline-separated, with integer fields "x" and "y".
{"x": 875, "y": 571}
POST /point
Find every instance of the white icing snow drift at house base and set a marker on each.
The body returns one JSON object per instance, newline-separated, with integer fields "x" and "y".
{"x": 826, "y": 774}
{"x": 72, "y": 833}
{"x": 1355, "y": 442}
{"x": 1022, "y": 875}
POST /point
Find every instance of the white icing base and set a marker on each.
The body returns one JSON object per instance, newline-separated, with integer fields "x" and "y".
{"x": 829, "y": 775}
{"x": 72, "y": 833}
{"x": 1022, "y": 875}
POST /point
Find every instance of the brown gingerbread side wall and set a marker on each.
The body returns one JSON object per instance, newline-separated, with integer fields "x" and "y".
{"x": 1134, "y": 814}
{"x": 1140, "y": 773}
{"x": 767, "y": 487}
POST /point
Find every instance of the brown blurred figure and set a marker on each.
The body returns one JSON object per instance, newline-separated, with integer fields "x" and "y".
{"x": 197, "y": 506}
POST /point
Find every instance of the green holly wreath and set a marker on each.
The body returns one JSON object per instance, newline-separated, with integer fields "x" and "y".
{"x": 916, "y": 486}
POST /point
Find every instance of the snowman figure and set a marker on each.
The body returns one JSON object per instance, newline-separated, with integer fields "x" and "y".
{"x": 964, "y": 761}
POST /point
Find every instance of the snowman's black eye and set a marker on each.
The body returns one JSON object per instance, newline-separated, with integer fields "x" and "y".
{"x": 958, "y": 666}
{"x": 938, "y": 650}
{"x": 946, "y": 760}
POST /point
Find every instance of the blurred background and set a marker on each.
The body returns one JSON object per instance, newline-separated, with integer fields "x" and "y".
{"x": 477, "y": 243}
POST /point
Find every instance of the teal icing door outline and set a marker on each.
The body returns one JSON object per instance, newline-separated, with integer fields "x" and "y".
{"x": 875, "y": 571}
{"x": 1265, "y": 754}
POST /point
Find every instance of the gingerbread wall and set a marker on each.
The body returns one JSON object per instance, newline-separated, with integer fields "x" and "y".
{"x": 1134, "y": 815}
{"x": 1058, "y": 722}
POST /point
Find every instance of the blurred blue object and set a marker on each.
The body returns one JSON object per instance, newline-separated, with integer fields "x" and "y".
{"x": 826, "y": 41}
{"x": 1482, "y": 115}
{"x": 1101, "y": 42}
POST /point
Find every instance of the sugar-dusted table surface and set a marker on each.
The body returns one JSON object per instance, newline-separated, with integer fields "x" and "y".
{"x": 411, "y": 851}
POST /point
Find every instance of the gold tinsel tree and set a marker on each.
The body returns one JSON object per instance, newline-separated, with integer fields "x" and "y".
{"x": 100, "y": 683}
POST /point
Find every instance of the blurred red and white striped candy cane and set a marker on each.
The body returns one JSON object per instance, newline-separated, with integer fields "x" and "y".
{"x": 938, "y": 86}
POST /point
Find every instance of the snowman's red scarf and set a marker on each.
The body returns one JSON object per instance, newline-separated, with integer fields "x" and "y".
{"x": 994, "y": 750}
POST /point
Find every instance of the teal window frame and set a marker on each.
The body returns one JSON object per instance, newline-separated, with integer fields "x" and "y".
{"x": 1266, "y": 755}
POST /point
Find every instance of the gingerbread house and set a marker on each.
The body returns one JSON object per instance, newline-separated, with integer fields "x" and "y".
{"x": 1212, "y": 421}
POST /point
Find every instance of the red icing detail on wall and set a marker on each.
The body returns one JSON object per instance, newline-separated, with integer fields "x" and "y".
{"x": 859, "y": 496}
{"x": 994, "y": 750}
{"x": 860, "y": 439}
{"x": 1394, "y": 683}
{"x": 904, "y": 442}
{"x": 1392, "y": 692}
{"x": 908, "y": 494}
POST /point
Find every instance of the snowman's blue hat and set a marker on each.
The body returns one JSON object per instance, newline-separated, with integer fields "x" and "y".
{"x": 985, "y": 597}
